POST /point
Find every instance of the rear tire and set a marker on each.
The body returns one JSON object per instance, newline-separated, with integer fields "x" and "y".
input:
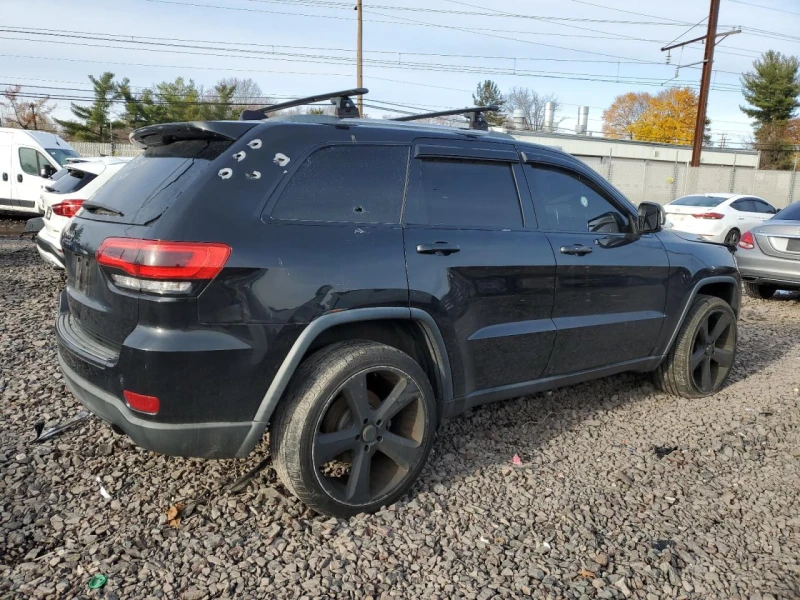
{"x": 355, "y": 407}
{"x": 759, "y": 290}
{"x": 733, "y": 237}
{"x": 702, "y": 356}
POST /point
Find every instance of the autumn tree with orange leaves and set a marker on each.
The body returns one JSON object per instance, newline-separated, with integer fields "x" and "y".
{"x": 624, "y": 112}
{"x": 666, "y": 118}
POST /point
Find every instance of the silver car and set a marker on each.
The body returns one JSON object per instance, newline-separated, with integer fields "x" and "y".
{"x": 768, "y": 255}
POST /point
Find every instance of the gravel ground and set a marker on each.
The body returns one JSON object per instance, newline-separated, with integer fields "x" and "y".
{"x": 592, "y": 512}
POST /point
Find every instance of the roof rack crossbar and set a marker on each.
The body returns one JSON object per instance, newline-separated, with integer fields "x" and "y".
{"x": 345, "y": 108}
{"x": 474, "y": 114}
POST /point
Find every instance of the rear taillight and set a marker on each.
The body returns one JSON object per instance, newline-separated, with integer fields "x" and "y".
{"x": 747, "y": 242}
{"x": 709, "y": 215}
{"x": 68, "y": 208}
{"x": 142, "y": 403}
{"x": 161, "y": 267}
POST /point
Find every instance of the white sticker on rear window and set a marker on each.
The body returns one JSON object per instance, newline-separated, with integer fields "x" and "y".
{"x": 281, "y": 159}
{"x": 254, "y": 144}
{"x": 225, "y": 173}
{"x": 239, "y": 156}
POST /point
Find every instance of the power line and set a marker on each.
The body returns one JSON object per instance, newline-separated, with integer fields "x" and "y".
{"x": 765, "y": 7}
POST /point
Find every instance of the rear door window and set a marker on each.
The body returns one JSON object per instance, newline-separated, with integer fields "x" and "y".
{"x": 466, "y": 193}
{"x": 72, "y": 181}
{"x": 151, "y": 182}
{"x": 350, "y": 184}
{"x": 743, "y": 205}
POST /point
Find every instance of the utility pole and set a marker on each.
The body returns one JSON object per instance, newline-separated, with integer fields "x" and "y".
{"x": 710, "y": 40}
{"x": 33, "y": 112}
{"x": 359, "y": 80}
{"x": 705, "y": 83}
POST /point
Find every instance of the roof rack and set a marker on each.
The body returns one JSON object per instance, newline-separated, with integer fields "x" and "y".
{"x": 474, "y": 114}
{"x": 345, "y": 108}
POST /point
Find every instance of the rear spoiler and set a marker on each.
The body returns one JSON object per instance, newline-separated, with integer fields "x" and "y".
{"x": 167, "y": 133}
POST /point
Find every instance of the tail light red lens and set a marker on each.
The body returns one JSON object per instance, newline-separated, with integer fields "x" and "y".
{"x": 142, "y": 403}
{"x": 68, "y": 208}
{"x": 747, "y": 242}
{"x": 153, "y": 259}
{"x": 709, "y": 215}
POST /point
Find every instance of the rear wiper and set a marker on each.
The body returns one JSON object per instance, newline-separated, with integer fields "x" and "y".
{"x": 101, "y": 209}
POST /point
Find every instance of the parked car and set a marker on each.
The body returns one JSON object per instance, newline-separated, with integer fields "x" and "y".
{"x": 27, "y": 160}
{"x": 719, "y": 218}
{"x": 350, "y": 283}
{"x": 769, "y": 255}
{"x": 62, "y": 198}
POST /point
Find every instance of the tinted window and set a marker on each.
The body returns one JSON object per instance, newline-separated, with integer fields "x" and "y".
{"x": 790, "y": 213}
{"x": 466, "y": 193}
{"x": 147, "y": 185}
{"x": 701, "y": 201}
{"x": 357, "y": 184}
{"x": 31, "y": 161}
{"x": 763, "y": 207}
{"x": 71, "y": 182}
{"x": 566, "y": 201}
{"x": 743, "y": 205}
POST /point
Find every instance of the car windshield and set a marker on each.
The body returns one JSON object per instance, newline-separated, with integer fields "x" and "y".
{"x": 790, "y": 213}
{"x": 702, "y": 201}
{"x": 61, "y": 155}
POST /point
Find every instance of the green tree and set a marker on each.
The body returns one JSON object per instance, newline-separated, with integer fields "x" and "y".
{"x": 771, "y": 89}
{"x": 92, "y": 123}
{"x": 487, "y": 93}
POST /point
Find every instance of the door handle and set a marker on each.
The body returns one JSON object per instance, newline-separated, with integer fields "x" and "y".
{"x": 5, "y": 176}
{"x": 438, "y": 248}
{"x": 576, "y": 249}
{"x": 19, "y": 177}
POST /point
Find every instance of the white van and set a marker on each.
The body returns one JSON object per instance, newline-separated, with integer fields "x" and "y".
{"x": 27, "y": 159}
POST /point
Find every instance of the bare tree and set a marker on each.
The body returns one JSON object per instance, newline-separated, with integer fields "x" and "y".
{"x": 26, "y": 113}
{"x": 532, "y": 104}
{"x": 247, "y": 93}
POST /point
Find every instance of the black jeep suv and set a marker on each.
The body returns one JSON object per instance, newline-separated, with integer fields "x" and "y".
{"x": 350, "y": 283}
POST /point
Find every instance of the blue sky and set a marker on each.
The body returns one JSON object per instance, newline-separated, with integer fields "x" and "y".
{"x": 307, "y": 46}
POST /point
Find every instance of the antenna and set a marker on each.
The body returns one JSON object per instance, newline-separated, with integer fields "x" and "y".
{"x": 345, "y": 108}
{"x": 474, "y": 114}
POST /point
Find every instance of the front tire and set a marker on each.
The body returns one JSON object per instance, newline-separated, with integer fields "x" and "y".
{"x": 759, "y": 290}
{"x": 355, "y": 428}
{"x": 702, "y": 357}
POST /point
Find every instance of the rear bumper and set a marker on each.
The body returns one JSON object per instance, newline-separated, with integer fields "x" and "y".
{"x": 204, "y": 440}
{"x": 49, "y": 250}
{"x": 757, "y": 267}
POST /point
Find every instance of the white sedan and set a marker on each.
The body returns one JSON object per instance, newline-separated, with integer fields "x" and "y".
{"x": 721, "y": 218}
{"x": 62, "y": 198}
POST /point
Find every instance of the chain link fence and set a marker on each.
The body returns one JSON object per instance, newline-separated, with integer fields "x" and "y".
{"x": 653, "y": 181}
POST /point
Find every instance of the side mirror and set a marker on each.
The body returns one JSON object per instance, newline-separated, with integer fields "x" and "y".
{"x": 47, "y": 172}
{"x": 651, "y": 217}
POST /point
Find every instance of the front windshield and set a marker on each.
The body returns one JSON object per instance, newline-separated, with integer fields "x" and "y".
{"x": 61, "y": 155}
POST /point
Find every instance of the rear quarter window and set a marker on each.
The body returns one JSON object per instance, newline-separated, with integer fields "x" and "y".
{"x": 350, "y": 184}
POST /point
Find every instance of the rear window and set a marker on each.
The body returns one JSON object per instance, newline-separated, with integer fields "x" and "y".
{"x": 790, "y": 213}
{"x": 150, "y": 183}
{"x": 72, "y": 181}
{"x": 702, "y": 201}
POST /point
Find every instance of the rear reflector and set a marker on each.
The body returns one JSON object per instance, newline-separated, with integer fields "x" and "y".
{"x": 158, "y": 286}
{"x": 747, "y": 242}
{"x": 153, "y": 259}
{"x": 142, "y": 403}
{"x": 68, "y": 208}
{"x": 709, "y": 215}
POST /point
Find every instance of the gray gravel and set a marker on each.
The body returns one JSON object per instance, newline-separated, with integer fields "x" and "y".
{"x": 593, "y": 511}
